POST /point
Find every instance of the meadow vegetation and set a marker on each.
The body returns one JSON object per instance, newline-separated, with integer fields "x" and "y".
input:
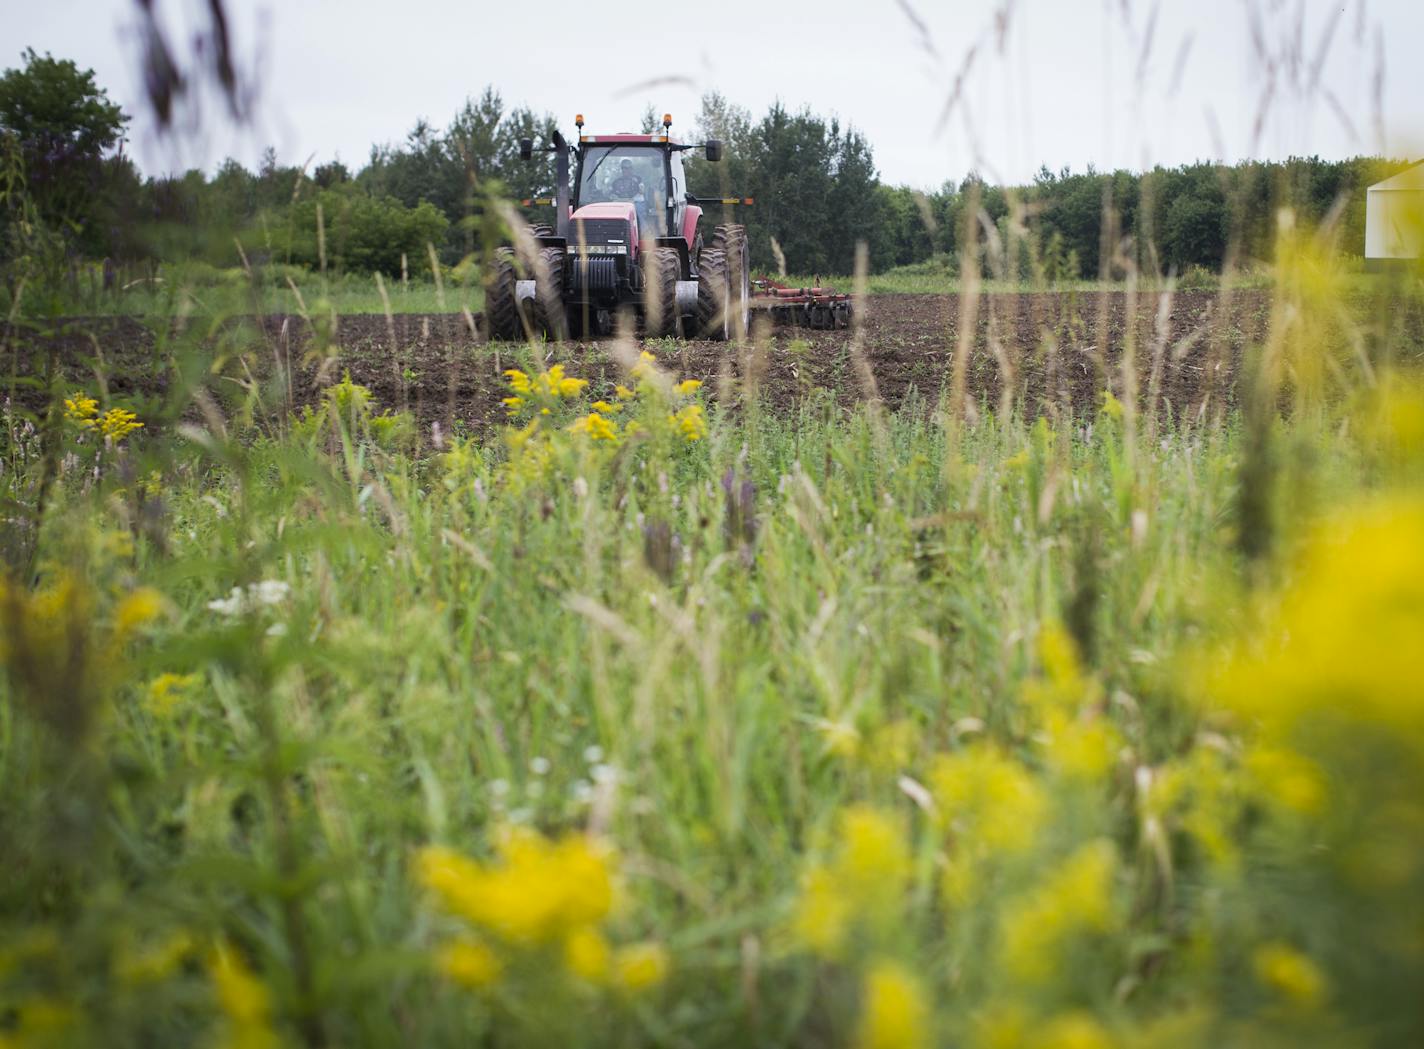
{"x": 667, "y": 714}
{"x": 659, "y": 721}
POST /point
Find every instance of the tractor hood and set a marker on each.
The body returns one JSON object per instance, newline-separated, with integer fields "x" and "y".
{"x": 605, "y": 227}
{"x": 612, "y": 209}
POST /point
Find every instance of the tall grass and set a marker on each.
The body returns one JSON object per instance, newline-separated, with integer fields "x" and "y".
{"x": 658, "y": 718}
{"x": 876, "y": 725}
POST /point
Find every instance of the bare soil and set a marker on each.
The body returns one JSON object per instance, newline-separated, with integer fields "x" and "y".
{"x": 1040, "y": 352}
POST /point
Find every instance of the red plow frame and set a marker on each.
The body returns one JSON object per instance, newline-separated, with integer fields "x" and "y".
{"x": 821, "y": 308}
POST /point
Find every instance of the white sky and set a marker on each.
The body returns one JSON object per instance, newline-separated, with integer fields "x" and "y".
{"x": 1068, "y": 83}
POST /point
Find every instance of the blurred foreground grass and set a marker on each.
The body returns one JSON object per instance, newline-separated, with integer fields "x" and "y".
{"x": 654, "y": 723}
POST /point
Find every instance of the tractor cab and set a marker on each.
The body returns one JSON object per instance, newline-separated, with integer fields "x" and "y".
{"x": 642, "y": 172}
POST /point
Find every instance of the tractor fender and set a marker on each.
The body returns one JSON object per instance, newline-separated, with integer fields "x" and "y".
{"x": 690, "y": 217}
{"x": 684, "y": 256}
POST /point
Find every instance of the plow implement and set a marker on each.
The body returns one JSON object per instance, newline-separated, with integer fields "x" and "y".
{"x": 820, "y": 308}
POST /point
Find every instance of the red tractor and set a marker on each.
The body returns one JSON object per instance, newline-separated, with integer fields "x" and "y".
{"x": 626, "y": 234}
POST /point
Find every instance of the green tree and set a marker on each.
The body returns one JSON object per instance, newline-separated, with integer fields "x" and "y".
{"x": 65, "y": 125}
{"x": 364, "y": 233}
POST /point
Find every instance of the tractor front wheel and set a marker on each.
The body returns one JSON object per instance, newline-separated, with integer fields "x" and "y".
{"x": 731, "y": 240}
{"x": 660, "y": 306}
{"x": 713, "y": 316}
{"x": 550, "y": 313}
{"x": 502, "y": 319}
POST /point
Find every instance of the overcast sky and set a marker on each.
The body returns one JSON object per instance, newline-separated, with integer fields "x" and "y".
{"x": 1061, "y": 83}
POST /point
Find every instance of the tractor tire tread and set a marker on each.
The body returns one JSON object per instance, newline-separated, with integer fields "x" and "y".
{"x": 662, "y": 317}
{"x": 713, "y": 319}
{"x": 551, "y": 316}
{"x": 502, "y": 319}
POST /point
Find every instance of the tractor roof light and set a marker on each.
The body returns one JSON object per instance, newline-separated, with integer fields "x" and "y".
{"x": 578, "y": 121}
{"x": 667, "y": 120}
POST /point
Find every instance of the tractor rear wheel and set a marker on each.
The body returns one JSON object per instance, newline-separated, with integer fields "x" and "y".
{"x": 502, "y": 319}
{"x": 540, "y": 229}
{"x": 660, "y": 296}
{"x": 550, "y": 314}
{"x": 713, "y": 317}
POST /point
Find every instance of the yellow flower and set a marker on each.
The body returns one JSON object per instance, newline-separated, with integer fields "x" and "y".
{"x": 605, "y": 407}
{"x": 988, "y": 797}
{"x": 81, "y": 409}
{"x": 687, "y": 387}
{"x": 875, "y": 858}
{"x": 1112, "y": 407}
{"x": 1073, "y": 901}
{"x": 587, "y": 955}
{"x": 137, "y": 609}
{"x": 518, "y": 380}
{"x": 537, "y": 892}
{"x": 689, "y": 423}
{"x": 862, "y": 886}
{"x": 640, "y": 966}
{"x": 893, "y": 1012}
{"x": 1345, "y": 641}
{"x": 1287, "y": 778}
{"x": 596, "y": 427}
{"x": 555, "y": 383}
{"x": 624, "y": 394}
{"x": 166, "y": 690}
{"x": 1290, "y": 974}
{"x": 512, "y": 404}
{"x": 117, "y": 423}
{"x": 823, "y": 914}
{"x": 243, "y": 999}
{"x": 468, "y": 963}
{"x": 1075, "y": 1030}
{"x": 1063, "y": 685}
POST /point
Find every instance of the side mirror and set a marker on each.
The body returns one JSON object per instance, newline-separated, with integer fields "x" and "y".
{"x": 714, "y": 149}
{"x": 526, "y": 149}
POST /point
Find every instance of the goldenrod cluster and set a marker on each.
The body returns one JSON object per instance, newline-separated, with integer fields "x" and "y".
{"x": 894, "y": 1011}
{"x": 857, "y": 894}
{"x": 81, "y": 409}
{"x": 118, "y": 423}
{"x": 688, "y": 422}
{"x": 533, "y": 449}
{"x": 244, "y": 1001}
{"x": 113, "y": 425}
{"x": 539, "y": 899}
{"x": 166, "y": 691}
{"x": 542, "y": 388}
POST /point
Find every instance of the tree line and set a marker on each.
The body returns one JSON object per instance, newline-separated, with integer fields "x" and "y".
{"x": 816, "y": 188}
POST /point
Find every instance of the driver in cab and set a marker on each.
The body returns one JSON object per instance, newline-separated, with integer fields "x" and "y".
{"x": 627, "y": 186}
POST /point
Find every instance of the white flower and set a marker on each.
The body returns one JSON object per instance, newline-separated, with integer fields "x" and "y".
{"x": 593, "y": 754}
{"x": 269, "y": 591}
{"x": 539, "y": 766}
{"x": 277, "y": 630}
{"x": 228, "y": 606}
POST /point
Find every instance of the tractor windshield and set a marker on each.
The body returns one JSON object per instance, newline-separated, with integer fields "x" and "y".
{"x": 637, "y": 175}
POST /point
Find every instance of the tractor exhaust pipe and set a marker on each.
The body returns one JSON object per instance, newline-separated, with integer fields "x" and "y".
{"x": 561, "y": 186}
